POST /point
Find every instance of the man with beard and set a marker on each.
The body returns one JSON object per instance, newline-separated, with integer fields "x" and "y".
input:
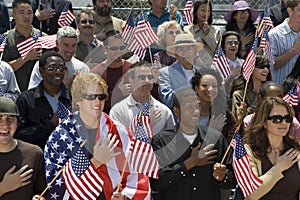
{"x": 86, "y": 23}
{"x": 141, "y": 78}
{"x": 105, "y": 22}
{"x": 114, "y": 67}
{"x": 38, "y": 106}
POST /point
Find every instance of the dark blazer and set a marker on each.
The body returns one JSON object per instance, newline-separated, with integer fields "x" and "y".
{"x": 51, "y": 27}
{"x": 175, "y": 182}
{"x": 4, "y": 18}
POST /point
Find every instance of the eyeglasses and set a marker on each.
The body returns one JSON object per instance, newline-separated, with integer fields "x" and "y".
{"x": 115, "y": 48}
{"x": 91, "y": 97}
{"x": 277, "y": 119}
{"x": 143, "y": 77}
{"x": 91, "y": 21}
{"x": 52, "y": 68}
{"x": 230, "y": 43}
{"x": 174, "y": 32}
{"x": 263, "y": 66}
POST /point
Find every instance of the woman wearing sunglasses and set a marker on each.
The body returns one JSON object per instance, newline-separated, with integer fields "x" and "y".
{"x": 274, "y": 156}
{"x": 260, "y": 74}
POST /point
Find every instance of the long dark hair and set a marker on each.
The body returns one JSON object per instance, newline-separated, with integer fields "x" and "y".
{"x": 248, "y": 28}
{"x": 256, "y": 135}
{"x": 196, "y": 6}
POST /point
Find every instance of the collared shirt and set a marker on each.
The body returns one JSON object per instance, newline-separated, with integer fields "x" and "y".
{"x": 238, "y": 62}
{"x": 84, "y": 49}
{"x": 124, "y": 112}
{"x": 282, "y": 39}
{"x": 112, "y": 23}
{"x": 156, "y": 21}
{"x": 11, "y": 53}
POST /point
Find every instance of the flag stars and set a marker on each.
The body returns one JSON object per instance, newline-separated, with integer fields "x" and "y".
{"x": 55, "y": 145}
{"x": 63, "y": 137}
{"x": 70, "y": 146}
{"x": 59, "y": 182}
{"x": 54, "y": 195}
{"x": 60, "y": 160}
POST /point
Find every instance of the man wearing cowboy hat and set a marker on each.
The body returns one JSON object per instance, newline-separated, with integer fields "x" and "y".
{"x": 179, "y": 74}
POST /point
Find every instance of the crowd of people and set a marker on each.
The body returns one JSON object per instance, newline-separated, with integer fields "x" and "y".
{"x": 89, "y": 119}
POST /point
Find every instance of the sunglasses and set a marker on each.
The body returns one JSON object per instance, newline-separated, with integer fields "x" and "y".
{"x": 263, "y": 66}
{"x": 174, "y": 32}
{"x": 115, "y": 48}
{"x": 232, "y": 43}
{"x": 91, "y": 21}
{"x": 91, "y": 97}
{"x": 277, "y": 119}
{"x": 143, "y": 77}
{"x": 52, "y": 68}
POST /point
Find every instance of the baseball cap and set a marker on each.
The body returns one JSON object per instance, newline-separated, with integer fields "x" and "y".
{"x": 8, "y": 107}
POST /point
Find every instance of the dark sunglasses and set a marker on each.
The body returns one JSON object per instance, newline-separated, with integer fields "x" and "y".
{"x": 232, "y": 43}
{"x": 115, "y": 48}
{"x": 262, "y": 66}
{"x": 172, "y": 32}
{"x": 277, "y": 119}
{"x": 143, "y": 77}
{"x": 52, "y": 68}
{"x": 91, "y": 21}
{"x": 91, "y": 97}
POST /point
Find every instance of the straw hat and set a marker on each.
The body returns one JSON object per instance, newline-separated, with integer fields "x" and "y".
{"x": 241, "y": 5}
{"x": 184, "y": 39}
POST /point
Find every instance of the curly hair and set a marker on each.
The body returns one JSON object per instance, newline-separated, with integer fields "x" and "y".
{"x": 81, "y": 83}
{"x": 161, "y": 32}
{"x": 256, "y": 135}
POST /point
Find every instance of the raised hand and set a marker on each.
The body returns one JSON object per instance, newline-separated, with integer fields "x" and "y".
{"x": 125, "y": 88}
{"x": 155, "y": 116}
{"x": 12, "y": 181}
{"x": 217, "y": 122}
{"x": 104, "y": 152}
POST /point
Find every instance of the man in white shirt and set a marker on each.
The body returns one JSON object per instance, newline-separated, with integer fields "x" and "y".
{"x": 67, "y": 39}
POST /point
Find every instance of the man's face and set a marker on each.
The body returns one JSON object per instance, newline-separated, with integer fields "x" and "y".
{"x": 23, "y": 15}
{"x": 103, "y": 7}
{"x": 159, "y": 4}
{"x": 143, "y": 80}
{"x": 53, "y": 72}
{"x": 115, "y": 48}
{"x": 8, "y": 127}
{"x": 186, "y": 54}
{"x": 295, "y": 14}
{"x": 67, "y": 47}
{"x": 86, "y": 24}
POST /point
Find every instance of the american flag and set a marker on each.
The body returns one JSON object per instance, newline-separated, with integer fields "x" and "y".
{"x": 25, "y": 46}
{"x": 292, "y": 96}
{"x": 81, "y": 178}
{"x": 63, "y": 111}
{"x": 188, "y": 12}
{"x": 265, "y": 44}
{"x": 143, "y": 37}
{"x": 48, "y": 41}
{"x": 3, "y": 39}
{"x": 65, "y": 141}
{"x": 249, "y": 63}
{"x": 221, "y": 64}
{"x": 247, "y": 180}
{"x": 265, "y": 23}
{"x": 143, "y": 158}
{"x": 66, "y": 17}
{"x": 128, "y": 29}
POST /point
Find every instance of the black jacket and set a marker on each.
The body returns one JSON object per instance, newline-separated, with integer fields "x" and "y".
{"x": 175, "y": 182}
{"x": 35, "y": 114}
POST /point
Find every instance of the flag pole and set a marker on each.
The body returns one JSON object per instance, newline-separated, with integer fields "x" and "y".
{"x": 150, "y": 53}
{"x": 207, "y": 7}
{"x": 56, "y": 176}
{"x": 228, "y": 148}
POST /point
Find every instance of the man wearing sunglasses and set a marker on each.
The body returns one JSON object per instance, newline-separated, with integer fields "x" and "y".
{"x": 86, "y": 24}
{"x": 66, "y": 41}
{"x": 141, "y": 77}
{"x": 114, "y": 67}
{"x": 38, "y": 106}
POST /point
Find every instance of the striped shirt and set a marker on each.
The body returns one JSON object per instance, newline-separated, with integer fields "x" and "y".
{"x": 282, "y": 40}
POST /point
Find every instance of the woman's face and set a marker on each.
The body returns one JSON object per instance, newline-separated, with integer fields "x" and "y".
{"x": 277, "y": 129}
{"x": 202, "y": 13}
{"x": 231, "y": 46}
{"x": 242, "y": 16}
{"x": 171, "y": 34}
{"x": 207, "y": 89}
{"x": 260, "y": 74}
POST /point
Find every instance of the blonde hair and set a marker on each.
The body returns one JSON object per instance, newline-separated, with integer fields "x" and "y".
{"x": 161, "y": 32}
{"x": 81, "y": 83}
